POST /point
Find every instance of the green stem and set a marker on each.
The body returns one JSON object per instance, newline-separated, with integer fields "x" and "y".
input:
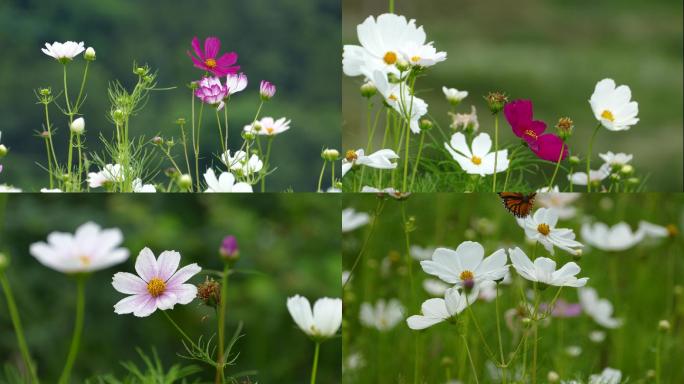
{"x": 320, "y": 178}
{"x": 80, "y": 93}
{"x": 197, "y": 147}
{"x": 314, "y": 367}
{"x": 225, "y": 123}
{"x": 267, "y": 159}
{"x": 555, "y": 171}
{"x": 80, "y": 162}
{"x": 498, "y": 333}
{"x": 221, "y": 324}
{"x": 180, "y": 330}
{"x": 496, "y": 150}
{"x": 194, "y": 140}
{"x": 591, "y": 144}
{"x": 18, "y": 328}
{"x": 391, "y": 6}
{"x": 470, "y": 357}
{"x": 657, "y": 357}
{"x": 78, "y": 331}
{"x": 66, "y": 94}
{"x": 415, "y": 166}
{"x": 70, "y": 159}
{"x": 185, "y": 148}
{"x": 218, "y": 122}
{"x": 510, "y": 164}
{"x": 376, "y": 216}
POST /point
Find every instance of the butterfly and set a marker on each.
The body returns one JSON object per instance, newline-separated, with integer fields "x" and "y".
{"x": 519, "y": 204}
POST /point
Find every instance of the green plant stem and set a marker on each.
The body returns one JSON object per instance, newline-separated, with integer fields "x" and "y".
{"x": 180, "y": 330}
{"x": 197, "y": 147}
{"x": 185, "y": 148}
{"x": 80, "y": 161}
{"x": 222, "y": 324}
{"x": 220, "y": 130}
{"x": 314, "y": 367}
{"x": 510, "y": 163}
{"x": 66, "y": 94}
{"x": 52, "y": 158}
{"x": 498, "y": 334}
{"x": 194, "y": 145}
{"x": 535, "y": 330}
{"x": 80, "y": 92}
{"x": 496, "y": 150}
{"x": 267, "y": 160}
{"x": 658, "y": 370}
{"x": 470, "y": 357}
{"x": 391, "y": 6}
{"x": 591, "y": 144}
{"x": 376, "y": 216}
{"x": 555, "y": 171}
{"x": 225, "y": 123}
{"x": 70, "y": 158}
{"x": 415, "y": 166}
{"x": 18, "y": 328}
{"x": 78, "y": 330}
{"x": 320, "y": 177}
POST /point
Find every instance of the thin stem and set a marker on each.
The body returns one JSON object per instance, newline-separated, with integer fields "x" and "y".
{"x": 66, "y": 94}
{"x": 376, "y": 216}
{"x": 470, "y": 357}
{"x": 510, "y": 163}
{"x": 221, "y": 324}
{"x": 78, "y": 331}
{"x": 415, "y": 166}
{"x": 498, "y": 333}
{"x": 218, "y": 122}
{"x": 194, "y": 145}
{"x": 266, "y": 163}
{"x": 80, "y": 161}
{"x": 555, "y": 171}
{"x": 496, "y": 150}
{"x": 320, "y": 178}
{"x": 185, "y": 148}
{"x": 659, "y": 344}
{"x": 80, "y": 93}
{"x": 70, "y": 158}
{"x": 535, "y": 330}
{"x": 180, "y": 330}
{"x": 18, "y": 328}
{"x": 591, "y": 144}
{"x": 391, "y": 6}
{"x": 314, "y": 367}
{"x": 225, "y": 123}
{"x": 197, "y": 146}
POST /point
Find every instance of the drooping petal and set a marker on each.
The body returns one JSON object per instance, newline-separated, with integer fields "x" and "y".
{"x": 549, "y": 146}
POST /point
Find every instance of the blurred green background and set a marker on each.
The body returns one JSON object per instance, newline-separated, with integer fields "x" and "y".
{"x": 292, "y": 43}
{"x": 552, "y": 52}
{"x": 638, "y": 282}
{"x": 288, "y": 245}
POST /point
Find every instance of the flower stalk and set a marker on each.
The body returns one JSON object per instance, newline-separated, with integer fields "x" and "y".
{"x": 78, "y": 330}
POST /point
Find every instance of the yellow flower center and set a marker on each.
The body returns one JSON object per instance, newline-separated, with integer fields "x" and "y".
{"x": 211, "y": 63}
{"x": 415, "y": 59}
{"x": 392, "y": 97}
{"x": 608, "y": 115}
{"x": 544, "y": 229}
{"x": 476, "y": 160}
{"x": 390, "y": 58}
{"x": 351, "y": 155}
{"x": 466, "y": 275}
{"x": 156, "y": 287}
{"x": 270, "y": 130}
{"x": 531, "y": 134}
{"x": 85, "y": 260}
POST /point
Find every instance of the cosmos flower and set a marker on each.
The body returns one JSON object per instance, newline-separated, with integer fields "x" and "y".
{"x": 111, "y": 173}
{"x": 63, "y": 52}
{"x": 383, "y": 316}
{"x": 435, "y": 287}
{"x": 466, "y": 266}
{"x": 541, "y": 226}
{"x": 321, "y": 323}
{"x": 615, "y": 159}
{"x": 465, "y": 121}
{"x": 224, "y": 183}
{"x": 596, "y": 176}
{"x": 546, "y": 146}
{"x": 478, "y": 160}
{"x": 158, "y": 285}
{"x": 563, "y": 309}
{"x": 616, "y": 238}
{"x": 601, "y": 310}
{"x": 543, "y": 270}
{"x": 48, "y": 190}
{"x": 607, "y": 376}
{"x": 268, "y": 126}
{"x": 612, "y": 106}
{"x": 352, "y": 219}
{"x": 381, "y": 159}
{"x": 139, "y": 187}
{"x": 207, "y": 59}
{"x": 239, "y": 163}
{"x": 558, "y": 201}
{"x": 399, "y": 97}
{"x": 437, "y": 310}
{"x": 210, "y": 90}
{"x": 266, "y": 90}
{"x": 453, "y": 95}
{"x": 89, "y": 249}
{"x": 421, "y": 253}
{"x": 236, "y": 82}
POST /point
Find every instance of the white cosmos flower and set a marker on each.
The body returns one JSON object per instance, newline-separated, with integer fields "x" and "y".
{"x": 224, "y": 183}
{"x": 352, "y": 219}
{"x": 422, "y": 55}
{"x": 596, "y": 176}
{"x": 239, "y": 163}
{"x": 653, "y": 230}
{"x": 543, "y": 270}
{"x": 63, "y": 52}
{"x": 612, "y": 106}
{"x": 267, "y": 126}
{"x": 4, "y": 188}
{"x": 383, "y": 42}
{"x": 89, "y": 249}
{"x": 453, "y": 95}
{"x": 48, "y": 190}
{"x": 465, "y": 121}
{"x": 236, "y": 83}
{"x": 615, "y": 159}
{"x": 607, "y": 376}
{"x": 421, "y": 253}
{"x": 541, "y": 226}
{"x": 466, "y": 266}
{"x": 437, "y": 310}
{"x": 110, "y": 173}
{"x": 399, "y": 97}
{"x": 321, "y": 323}
{"x": 476, "y": 160}
{"x": 435, "y": 287}
{"x": 381, "y": 159}
{"x": 383, "y": 316}
{"x": 139, "y": 187}
{"x": 616, "y": 238}
{"x": 601, "y": 310}
{"x": 558, "y": 201}
{"x": 158, "y": 285}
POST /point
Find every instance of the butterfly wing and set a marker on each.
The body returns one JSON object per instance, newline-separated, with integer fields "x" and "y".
{"x": 519, "y": 204}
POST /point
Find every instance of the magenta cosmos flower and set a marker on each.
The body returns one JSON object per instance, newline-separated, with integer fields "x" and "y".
{"x": 266, "y": 90}
{"x": 211, "y": 91}
{"x": 207, "y": 59}
{"x": 159, "y": 284}
{"x": 546, "y": 146}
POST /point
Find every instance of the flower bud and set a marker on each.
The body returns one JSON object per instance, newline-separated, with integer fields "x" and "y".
{"x": 573, "y": 160}
{"x": 157, "y": 140}
{"x": 266, "y": 90}
{"x": 552, "y": 377}
{"x": 368, "y": 90}
{"x": 402, "y": 65}
{"x": 633, "y": 181}
{"x": 447, "y": 361}
{"x": 140, "y": 71}
{"x": 229, "y": 250}
{"x": 171, "y": 172}
{"x": 577, "y": 255}
{"x": 614, "y": 177}
{"x": 425, "y": 124}
{"x": 77, "y": 126}
{"x": 118, "y": 116}
{"x": 338, "y": 185}
{"x": 45, "y": 91}
{"x": 526, "y": 320}
{"x": 564, "y": 127}
{"x": 185, "y": 181}
{"x": 180, "y": 121}
{"x": 627, "y": 170}
{"x": 89, "y": 54}
{"x": 664, "y": 326}
{"x": 330, "y": 154}
{"x": 496, "y": 101}
{"x": 209, "y": 292}
{"x": 3, "y": 151}
{"x": 248, "y": 135}
{"x": 4, "y": 262}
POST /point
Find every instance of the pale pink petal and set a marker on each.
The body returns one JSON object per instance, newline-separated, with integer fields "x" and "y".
{"x": 146, "y": 265}
{"x": 184, "y": 274}
{"x": 129, "y": 283}
{"x": 130, "y": 304}
{"x": 167, "y": 264}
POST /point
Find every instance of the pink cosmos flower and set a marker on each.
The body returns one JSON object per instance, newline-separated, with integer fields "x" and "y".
{"x": 207, "y": 60}
{"x": 546, "y": 146}
{"x": 160, "y": 284}
{"x": 266, "y": 90}
{"x": 211, "y": 91}
{"x": 236, "y": 83}
{"x": 563, "y": 309}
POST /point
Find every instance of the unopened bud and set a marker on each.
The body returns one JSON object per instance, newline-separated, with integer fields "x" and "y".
{"x": 157, "y": 140}
{"x": 118, "y": 116}
{"x": 229, "y": 249}
{"x": 425, "y": 124}
{"x": 330, "y": 154}
{"x": 89, "y": 54}
{"x": 633, "y": 181}
{"x": 45, "y": 91}
{"x": 185, "y": 181}
{"x": 140, "y": 71}
{"x": 614, "y": 177}
{"x": 552, "y": 377}
{"x": 664, "y": 326}
{"x": 77, "y": 126}
{"x": 180, "y": 121}
{"x": 368, "y": 90}
{"x": 4, "y": 262}
{"x": 3, "y": 151}
{"x": 565, "y": 127}
{"x": 402, "y": 65}
{"x": 627, "y": 170}
{"x": 496, "y": 101}
{"x": 573, "y": 160}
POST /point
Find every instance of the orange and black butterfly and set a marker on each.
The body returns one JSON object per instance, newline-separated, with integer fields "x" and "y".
{"x": 519, "y": 204}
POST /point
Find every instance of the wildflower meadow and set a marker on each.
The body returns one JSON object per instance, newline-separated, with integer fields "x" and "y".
{"x": 448, "y": 288}
{"x": 169, "y": 290}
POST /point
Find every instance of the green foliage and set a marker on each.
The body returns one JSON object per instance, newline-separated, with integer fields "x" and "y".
{"x": 153, "y": 372}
